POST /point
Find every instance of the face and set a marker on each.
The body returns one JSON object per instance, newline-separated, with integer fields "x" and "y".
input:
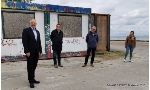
{"x": 33, "y": 23}
{"x": 131, "y": 33}
{"x": 58, "y": 27}
{"x": 93, "y": 30}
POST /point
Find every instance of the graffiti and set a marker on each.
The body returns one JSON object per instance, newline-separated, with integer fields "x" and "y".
{"x": 71, "y": 25}
{"x": 74, "y": 41}
{"x": 44, "y": 56}
{"x": 18, "y": 58}
{"x": 47, "y": 32}
{"x": 47, "y": 40}
{"x": 8, "y": 42}
{"x": 44, "y": 7}
{"x": 71, "y": 54}
{"x": 13, "y": 58}
{"x": 2, "y": 42}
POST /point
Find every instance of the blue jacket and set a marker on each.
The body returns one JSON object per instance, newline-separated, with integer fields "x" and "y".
{"x": 92, "y": 40}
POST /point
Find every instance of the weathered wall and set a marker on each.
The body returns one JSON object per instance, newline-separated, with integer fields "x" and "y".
{"x": 40, "y": 26}
{"x": 75, "y": 23}
{"x": 102, "y": 32}
{"x": 13, "y": 48}
{"x": 72, "y": 43}
{"x": 102, "y": 22}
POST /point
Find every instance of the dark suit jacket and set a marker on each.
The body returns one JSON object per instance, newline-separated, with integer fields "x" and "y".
{"x": 29, "y": 42}
{"x": 57, "y": 40}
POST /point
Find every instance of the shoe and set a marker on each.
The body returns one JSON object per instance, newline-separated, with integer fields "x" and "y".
{"x": 130, "y": 61}
{"x": 31, "y": 85}
{"x": 36, "y": 81}
{"x": 60, "y": 65}
{"x": 92, "y": 65}
{"x": 55, "y": 66}
{"x": 84, "y": 65}
{"x": 124, "y": 60}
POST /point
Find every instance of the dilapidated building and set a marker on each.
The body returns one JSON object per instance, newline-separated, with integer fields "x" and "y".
{"x": 75, "y": 23}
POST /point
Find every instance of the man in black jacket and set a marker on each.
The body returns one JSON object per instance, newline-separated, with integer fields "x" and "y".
{"x": 32, "y": 48}
{"x": 91, "y": 40}
{"x": 57, "y": 40}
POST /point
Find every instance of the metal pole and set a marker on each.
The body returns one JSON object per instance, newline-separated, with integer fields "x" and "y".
{"x": 108, "y": 33}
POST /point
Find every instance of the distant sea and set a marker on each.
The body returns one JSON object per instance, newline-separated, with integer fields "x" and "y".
{"x": 141, "y": 38}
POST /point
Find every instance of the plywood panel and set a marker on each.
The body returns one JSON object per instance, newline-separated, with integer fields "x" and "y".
{"x": 71, "y": 25}
{"x": 14, "y": 23}
{"x": 102, "y": 32}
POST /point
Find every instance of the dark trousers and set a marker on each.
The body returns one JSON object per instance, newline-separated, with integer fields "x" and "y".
{"x": 58, "y": 54}
{"x": 32, "y": 61}
{"x": 88, "y": 54}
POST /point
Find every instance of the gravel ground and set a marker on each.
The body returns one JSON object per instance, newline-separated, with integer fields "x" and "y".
{"x": 106, "y": 75}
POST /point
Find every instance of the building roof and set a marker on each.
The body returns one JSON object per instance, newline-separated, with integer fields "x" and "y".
{"x": 44, "y": 7}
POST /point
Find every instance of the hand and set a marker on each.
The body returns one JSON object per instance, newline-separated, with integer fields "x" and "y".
{"x": 40, "y": 54}
{"x": 28, "y": 54}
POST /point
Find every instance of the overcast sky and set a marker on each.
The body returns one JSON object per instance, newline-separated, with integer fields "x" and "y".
{"x": 126, "y": 15}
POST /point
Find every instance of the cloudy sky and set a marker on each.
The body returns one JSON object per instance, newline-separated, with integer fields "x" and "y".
{"x": 126, "y": 15}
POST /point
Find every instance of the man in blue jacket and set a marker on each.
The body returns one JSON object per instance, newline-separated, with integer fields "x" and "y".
{"x": 91, "y": 40}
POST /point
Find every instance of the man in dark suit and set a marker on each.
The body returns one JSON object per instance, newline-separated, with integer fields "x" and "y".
{"x": 57, "y": 40}
{"x": 32, "y": 48}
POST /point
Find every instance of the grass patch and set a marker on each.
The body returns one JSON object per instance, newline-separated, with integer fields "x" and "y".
{"x": 111, "y": 55}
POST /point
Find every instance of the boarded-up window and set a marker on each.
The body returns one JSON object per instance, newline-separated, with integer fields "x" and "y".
{"x": 71, "y": 25}
{"x": 14, "y": 23}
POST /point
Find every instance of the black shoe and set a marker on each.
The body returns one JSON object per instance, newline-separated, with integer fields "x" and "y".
{"x": 60, "y": 65}
{"x": 31, "y": 85}
{"x": 84, "y": 65}
{"x": 36, "y": 81}
{"x": 55, "y": 66}
{"x": 92, "y": 65}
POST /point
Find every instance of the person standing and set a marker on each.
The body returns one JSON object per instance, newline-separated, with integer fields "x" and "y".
{"x": 57, "y": 40}
{"x": 91, "y": 40}
{"x": 32, "y": 48}
{"x": 130, "y": 44}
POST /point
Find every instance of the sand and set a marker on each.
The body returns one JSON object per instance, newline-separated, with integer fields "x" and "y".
{"x": 106, "y": 75}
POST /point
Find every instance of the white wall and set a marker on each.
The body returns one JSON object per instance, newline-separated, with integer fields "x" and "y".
{"x": 73, "y": 44}
{"x": 53, "y": 20}
{"x": 14, "y": 47}
{"x": 39, "y": 16}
